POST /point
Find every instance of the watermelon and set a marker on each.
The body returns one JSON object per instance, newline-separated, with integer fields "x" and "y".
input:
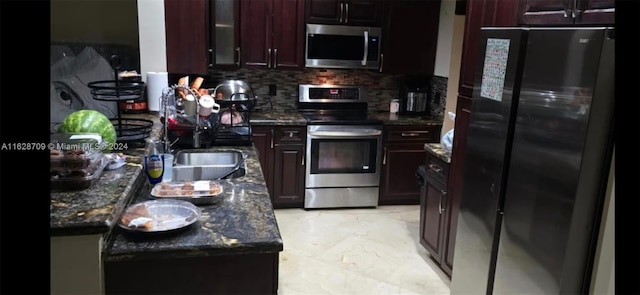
{"x": 90, "y": 121}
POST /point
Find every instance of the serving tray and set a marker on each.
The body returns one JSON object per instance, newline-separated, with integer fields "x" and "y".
{"x": 201, "y": 192}
{"x": 159, "y": 216}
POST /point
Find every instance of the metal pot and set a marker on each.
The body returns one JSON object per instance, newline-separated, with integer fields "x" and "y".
{"x": 233, "y": 90}
{"x": 416, "y": 101}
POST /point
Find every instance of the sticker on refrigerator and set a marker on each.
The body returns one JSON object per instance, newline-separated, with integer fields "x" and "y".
{"x": 495, "y": 67}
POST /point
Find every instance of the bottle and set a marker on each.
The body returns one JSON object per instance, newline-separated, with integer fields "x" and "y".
{"x": 154, "y": 161}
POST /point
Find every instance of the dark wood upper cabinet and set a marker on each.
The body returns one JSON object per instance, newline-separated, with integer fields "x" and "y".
{"x": 223, "y": 23}
{"x": 566, "y": 12}
{"x": 344, "y": 12}
{"x": 410, "y": 36}
{"x": 272, "y": 34}
{"x": 288, "y": 34}
{"x": 186, "y": 36}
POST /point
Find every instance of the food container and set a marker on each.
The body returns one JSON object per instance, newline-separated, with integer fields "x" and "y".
{"x": 74, "y": 152}
{"x": 66, "y": 180}
{"x": 197, "y": 192}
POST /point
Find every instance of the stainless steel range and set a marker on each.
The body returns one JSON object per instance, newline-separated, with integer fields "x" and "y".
{"x": 343, "y": 147}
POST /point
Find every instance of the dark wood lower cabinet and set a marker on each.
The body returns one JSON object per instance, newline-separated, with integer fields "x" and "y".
{"x": 402, "y": 153}
{"x": 288, "y": 185}
{"x": 281, "y": 151}
{"x": 229, "y": 274}
{"x": 437, "y": 232}
{"x": 399, "y": 165}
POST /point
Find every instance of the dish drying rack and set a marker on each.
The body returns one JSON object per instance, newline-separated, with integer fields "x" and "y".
{"x": 180, "y": 128}
{"x": 127, "y": 129}
{"x": 232, "y": 126}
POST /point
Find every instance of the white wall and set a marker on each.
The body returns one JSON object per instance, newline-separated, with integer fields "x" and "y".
{"x": 457, "y": 34}
{"x": 445, "y": 31}
{"x": 153, "y": 48}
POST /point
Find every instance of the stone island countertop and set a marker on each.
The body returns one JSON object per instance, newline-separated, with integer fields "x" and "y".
{"x": 242, "y": 222}
{"x": 94, "y": 210}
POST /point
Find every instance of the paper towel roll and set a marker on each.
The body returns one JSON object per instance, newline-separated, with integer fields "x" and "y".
{"x": 156, "y": 82}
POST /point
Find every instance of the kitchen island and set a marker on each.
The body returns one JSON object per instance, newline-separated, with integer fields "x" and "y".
{"x": 233, "y": 248}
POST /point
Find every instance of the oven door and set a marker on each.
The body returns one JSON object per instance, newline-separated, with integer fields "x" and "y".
{"x": 343, "y": 156}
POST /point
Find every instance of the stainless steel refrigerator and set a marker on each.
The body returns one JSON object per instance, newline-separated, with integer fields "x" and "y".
{"x": 539, "y": 147}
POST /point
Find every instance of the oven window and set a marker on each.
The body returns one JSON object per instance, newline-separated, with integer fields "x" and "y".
{"x": 343, "y": 156}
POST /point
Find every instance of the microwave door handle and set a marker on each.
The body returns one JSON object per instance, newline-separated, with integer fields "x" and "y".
{"x": 366, "y": 48}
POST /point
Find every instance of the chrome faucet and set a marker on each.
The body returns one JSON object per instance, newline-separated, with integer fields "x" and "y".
{"x": 166, "y": 93}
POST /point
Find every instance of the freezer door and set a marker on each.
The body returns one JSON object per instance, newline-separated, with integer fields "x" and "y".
{"x": 488, "y": 143}
{"x": 561, "y": 147}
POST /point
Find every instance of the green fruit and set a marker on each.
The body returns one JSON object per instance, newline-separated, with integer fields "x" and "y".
{"x": 90, "y": 121}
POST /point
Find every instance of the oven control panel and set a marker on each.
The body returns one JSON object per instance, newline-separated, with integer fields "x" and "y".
{"x": 331, "y": 93}
{"x": 334, "y": 93}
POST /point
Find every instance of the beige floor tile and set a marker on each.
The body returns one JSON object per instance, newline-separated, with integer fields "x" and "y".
{"x": 356, "y": 251}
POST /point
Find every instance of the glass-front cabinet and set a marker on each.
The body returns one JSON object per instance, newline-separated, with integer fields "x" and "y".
{"x": 224, "y": 40}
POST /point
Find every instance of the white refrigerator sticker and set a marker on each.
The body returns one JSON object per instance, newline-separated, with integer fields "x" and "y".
{"x": 495, "y": 67}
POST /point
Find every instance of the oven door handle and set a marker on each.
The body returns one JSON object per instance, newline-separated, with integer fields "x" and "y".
{"x": 359, "y": 133}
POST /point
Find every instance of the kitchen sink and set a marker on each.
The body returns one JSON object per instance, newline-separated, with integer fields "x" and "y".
{"x": 207, "y": 165}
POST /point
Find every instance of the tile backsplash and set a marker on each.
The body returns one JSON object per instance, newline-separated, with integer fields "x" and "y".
{"x": 381, "y": 87}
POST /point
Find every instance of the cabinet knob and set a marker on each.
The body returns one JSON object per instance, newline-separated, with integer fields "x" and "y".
{"x": 290, "y": 134}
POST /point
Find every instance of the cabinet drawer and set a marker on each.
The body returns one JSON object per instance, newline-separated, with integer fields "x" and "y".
{"x": 413, "y": 133}
{"x": 437, "y": 170}
{"x": 290, "y": 134}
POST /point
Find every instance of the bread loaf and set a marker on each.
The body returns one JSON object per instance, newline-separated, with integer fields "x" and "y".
{"x": 181, "y": 91}
{"x": 197, "y": 83}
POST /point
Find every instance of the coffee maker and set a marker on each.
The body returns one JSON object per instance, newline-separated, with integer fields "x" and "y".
{"x": 414, "y": 97}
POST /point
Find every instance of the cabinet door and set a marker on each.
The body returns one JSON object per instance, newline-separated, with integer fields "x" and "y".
{"x": 399, "y": 165}
{"x": 450, "y": 226}
{"x": 536, "y": 12}
{"x": 410, "y": 22}
{"x": 324, "y": 12}
{"x": 596, "y": 12}
{"x": 567, "y": 12}
{"x": 363, "y": 13}
{"x": 186, "y": 41}
{"x": 263, "y": 142}
{"x": 288, "y": 34}
{"x": 500, "y": 13}
{"x": 431, "y": 220}
{"x": 288, "y": 180}
{"x": 224, "y": 27}
{"x": 255, "y": 16}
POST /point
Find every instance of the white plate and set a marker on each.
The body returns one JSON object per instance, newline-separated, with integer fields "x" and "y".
{"x": 159, "y": 216}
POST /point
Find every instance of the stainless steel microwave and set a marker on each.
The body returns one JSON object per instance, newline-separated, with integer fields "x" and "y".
{"x": 342, "y": 47}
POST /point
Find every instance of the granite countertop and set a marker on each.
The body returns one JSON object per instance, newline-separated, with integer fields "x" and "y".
{"x": 93, "y": 210}
{"x": 277, "y": 117}
{"x": 399, "y": 119}
{"x": 243, "y": 221}
{"x": 293, "y": 117}
{"x": 437, "y": 150}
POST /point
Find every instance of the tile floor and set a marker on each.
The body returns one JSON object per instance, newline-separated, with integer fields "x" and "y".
{"x": 356, "y": 251}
